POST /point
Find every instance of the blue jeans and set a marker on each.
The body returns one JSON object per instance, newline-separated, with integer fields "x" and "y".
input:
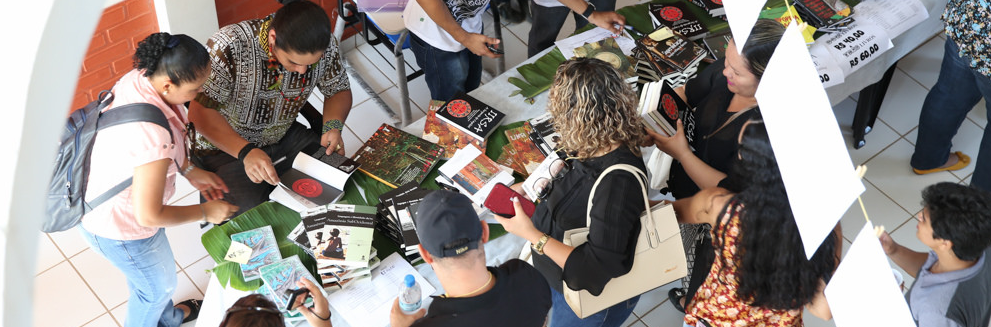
{"x": 149, "y": 267}
{"x": 956, "y": 92}
{"x": 446, "y": 73}
{"x": 614, "y": 316}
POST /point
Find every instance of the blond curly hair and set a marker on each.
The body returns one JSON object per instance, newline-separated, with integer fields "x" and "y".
{"x": 593, "y": 108}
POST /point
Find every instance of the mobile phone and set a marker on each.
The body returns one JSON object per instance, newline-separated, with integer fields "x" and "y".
{"x": 494, "y": 49}
{"x": 500, "y": 203}
{"x": 294, "y": 294}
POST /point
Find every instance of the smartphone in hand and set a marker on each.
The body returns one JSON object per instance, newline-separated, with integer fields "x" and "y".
{"x": 500, "y": 202}
{"x": 294, "y": 294}
{"x": 494, "y": 49}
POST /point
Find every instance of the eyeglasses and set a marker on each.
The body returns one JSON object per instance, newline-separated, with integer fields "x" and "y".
{"x": 240, "y": 309}
{"x": 557, "y": 169}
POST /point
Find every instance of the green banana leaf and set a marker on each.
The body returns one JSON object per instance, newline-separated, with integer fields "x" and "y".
{"x": 217, "y": 240}
{"x": 538, "y": 76}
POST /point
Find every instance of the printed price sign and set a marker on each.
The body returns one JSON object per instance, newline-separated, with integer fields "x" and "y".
{"x": 858, "y": 45}
{"x": 829, "y": 71}
{"x": 238, "y": 252}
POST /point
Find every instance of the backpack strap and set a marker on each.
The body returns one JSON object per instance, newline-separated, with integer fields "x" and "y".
{"x": 129, "y": 113}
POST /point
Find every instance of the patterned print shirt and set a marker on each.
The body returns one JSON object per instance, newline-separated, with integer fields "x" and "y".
{"x": 260, "y": 101}
{"x": 716, "y": 299}
{"x": 968, "y": 24}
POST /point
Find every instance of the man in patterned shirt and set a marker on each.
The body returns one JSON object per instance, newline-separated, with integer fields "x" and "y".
{"x": 965, "y": 77}
{"x": 262, "y": 72}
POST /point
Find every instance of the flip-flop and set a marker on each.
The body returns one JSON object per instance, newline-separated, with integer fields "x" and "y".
{"x": 194, "y": 309}
{"x": 674, "y": 296}
{"x": 962, "y": 161}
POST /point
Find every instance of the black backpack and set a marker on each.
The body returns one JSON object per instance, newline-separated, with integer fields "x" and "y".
{"x": 66, "y": 202}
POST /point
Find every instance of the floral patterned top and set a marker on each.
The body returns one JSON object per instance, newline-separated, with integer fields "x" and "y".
{"x": 716, "y": 300}
{"x": 259, "y": 97}
{"x": 968, "y": 24}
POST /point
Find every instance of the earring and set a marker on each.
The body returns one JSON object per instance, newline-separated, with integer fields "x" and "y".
{"x": 166, "y": 92}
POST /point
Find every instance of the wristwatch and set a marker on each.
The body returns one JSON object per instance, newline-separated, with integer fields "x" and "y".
{"x": 539, "y": 246}
{"x": 588, "y": 10}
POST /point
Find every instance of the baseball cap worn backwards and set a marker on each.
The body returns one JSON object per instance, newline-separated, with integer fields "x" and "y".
{"x": 447, "y": 225}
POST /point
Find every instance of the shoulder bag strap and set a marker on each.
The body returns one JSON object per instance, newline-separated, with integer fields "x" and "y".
{"x": 135, "y": 112}
{"x": 640, "y": 176}
{"x": 728, "y": 121}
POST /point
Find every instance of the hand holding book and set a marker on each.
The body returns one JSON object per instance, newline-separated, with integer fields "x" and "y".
{"x": 676, "y": 146}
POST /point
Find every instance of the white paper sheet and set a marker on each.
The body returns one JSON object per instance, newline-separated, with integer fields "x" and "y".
{"x": 367, "y": 302}
{"x": 829, "y": 71}
{"x": 896, "y": 16}
{"x": 863, "y": 291}
{"x": 568, "y": 45}
{"x": 862, "y": 43}
{"x": 321, "y": 171}
{"x": 742, "y": 14}
{"x": 815, "y": 165}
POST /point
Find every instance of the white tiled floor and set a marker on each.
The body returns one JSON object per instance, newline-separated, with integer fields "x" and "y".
{"x": 86, "y": 290}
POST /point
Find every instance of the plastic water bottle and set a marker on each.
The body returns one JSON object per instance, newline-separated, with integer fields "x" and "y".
{"x": 409, "y": 295}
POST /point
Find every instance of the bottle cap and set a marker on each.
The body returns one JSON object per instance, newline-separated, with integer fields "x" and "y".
{"x": 409, "y": 280}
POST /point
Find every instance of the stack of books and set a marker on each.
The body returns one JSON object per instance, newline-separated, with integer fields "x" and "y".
{"x": 543, "y": 133}
{"x": 474, "y": 174}
{"x": 665, "y": 55}
{"x": 339, "y": 276}
{"x": 265, "y": 262}
{"x": 337, "y": 235}
{"x": 444, "y": 134}
{"x": 713, "y": 7}
{"x": 526, "y": 154}
{"x": 677, "y": 17}
{"x": 716, "y": 44}
{"x": 396, "y": 210}
{"x": 825, "y": 15}
{"x": 395, "y": 157}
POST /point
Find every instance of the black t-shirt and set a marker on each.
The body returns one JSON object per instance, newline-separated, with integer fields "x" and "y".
{"x": 710, "y": 97}
{"x": 520, "y": 297}
{"x": 616, "y": 210}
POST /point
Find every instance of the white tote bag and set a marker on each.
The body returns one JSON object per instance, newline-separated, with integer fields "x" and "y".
{"x": 659, "y": 257}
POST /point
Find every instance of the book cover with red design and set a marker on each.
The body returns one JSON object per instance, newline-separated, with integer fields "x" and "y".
{"x": 528, "y": 155}
{"x": 471, "y": 116}
{"x": 677, "y": 16}
{"x": 446, "y": 135}
{"x": 395, "y": 157}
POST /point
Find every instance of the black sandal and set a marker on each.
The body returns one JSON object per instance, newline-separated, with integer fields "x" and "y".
{"x": 194, "y": 309}
{"x": 674, "y": 296}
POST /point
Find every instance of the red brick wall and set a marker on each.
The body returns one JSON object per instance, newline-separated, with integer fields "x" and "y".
{"x": 108, "y": 58}
{"x": 233, "y": 11}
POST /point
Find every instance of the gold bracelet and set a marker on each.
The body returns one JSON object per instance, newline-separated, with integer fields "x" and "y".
{"x": 539, "y": 247}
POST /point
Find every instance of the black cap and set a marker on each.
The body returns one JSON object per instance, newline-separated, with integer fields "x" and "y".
{"x": 447, "y": 225}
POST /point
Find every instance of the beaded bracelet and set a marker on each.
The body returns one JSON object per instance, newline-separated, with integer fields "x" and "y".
{"x": 332, "y": 124}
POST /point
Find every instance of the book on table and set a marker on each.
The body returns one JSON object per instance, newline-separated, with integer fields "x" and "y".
{"x": 338, "y": 276}
{"x": 677, "y": 16}
{"x": 313, "y": 182}
{"x": 280, "y": 279}
{"x": 264, "y": 250}
{"x": 396, "y": 212}
{"x": 473, "y": 173}
{"x": 395, "y": 157}
{"x": 540, "y": 178}
{"x": 445, "y": 134}
{"x": 672, "y": 57}
{"x": 337, "y": 234}
{"x": 527, "y": 154}
{"x": 471, "y": 116}
{"x": 544, "y": 128}
{"x": 716, "y": 44}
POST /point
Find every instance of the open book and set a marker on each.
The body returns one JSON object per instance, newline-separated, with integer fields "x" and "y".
{"x": 312, "y": 182}
{"x": 473, "y": 173}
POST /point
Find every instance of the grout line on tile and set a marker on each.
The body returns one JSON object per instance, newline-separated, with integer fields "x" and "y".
{"x": 116, "y": 320}
{"x": 913, "y": 78}
{"x": 654, "y": 308}
{"x": 88, "y": 286}
{"x": 64, "y": 259}
{"x": 890, "y": 199}
{"x": 190, "y": 279}
{"x": 97, "y": 317}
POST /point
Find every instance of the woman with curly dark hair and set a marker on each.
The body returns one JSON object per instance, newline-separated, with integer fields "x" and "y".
{"x": 760, "y": 275}
{"x": 595, "y": 112}
{"x": 128, "y": 229}
{"x": 257, "y": 311}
